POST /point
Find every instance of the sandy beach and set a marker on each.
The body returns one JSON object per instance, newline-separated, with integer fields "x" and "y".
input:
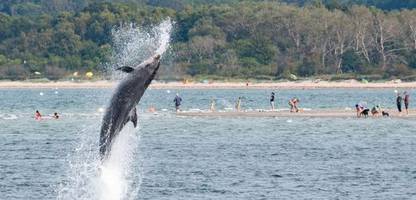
{"x": 214, "y": 85}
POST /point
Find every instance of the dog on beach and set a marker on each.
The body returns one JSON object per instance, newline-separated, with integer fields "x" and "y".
{"x": 365, "y": 112}
{"x": 385, "y": 114}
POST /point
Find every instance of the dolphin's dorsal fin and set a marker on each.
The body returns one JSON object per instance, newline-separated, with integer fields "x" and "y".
{"x": 133, "y": 116}
{"x": 126, "y": 69}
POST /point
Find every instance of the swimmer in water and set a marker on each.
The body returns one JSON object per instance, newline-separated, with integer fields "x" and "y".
{"x": 152, "y": 109}
{"x": 38, "y": 116}
{"x": 55, "y": 115}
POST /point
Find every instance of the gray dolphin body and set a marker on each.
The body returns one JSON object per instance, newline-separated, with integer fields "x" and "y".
{"x": 122, "y": 108}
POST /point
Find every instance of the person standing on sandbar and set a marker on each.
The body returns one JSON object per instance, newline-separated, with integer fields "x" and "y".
{"x": 399, "y": 100}
{"x": 238, "y": 104}
{"x": 406, "y": 102}
{"x": 272, "y": 101}
{"x": 177, "y": 101}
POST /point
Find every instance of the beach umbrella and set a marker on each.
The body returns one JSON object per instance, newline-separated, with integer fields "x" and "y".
{"x": 89, "y": 74}
{"x": 293, "y": 77}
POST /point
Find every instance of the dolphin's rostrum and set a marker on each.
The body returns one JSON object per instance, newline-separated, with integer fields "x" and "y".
{"x": 122, "y": 108}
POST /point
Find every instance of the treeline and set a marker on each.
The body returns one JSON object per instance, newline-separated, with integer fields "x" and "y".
{"x": 243, "y": 40}
{"x": 57, "y": 45}
{"x": 270, "y": 39}
{"x": 34, "y": 7}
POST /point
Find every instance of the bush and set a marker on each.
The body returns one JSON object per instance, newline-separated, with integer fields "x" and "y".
{"x": 13, "y": 72}
{"x": 339, "y": 77}
{"x": 398, "y": 70}
{"x": 53, "y": 72}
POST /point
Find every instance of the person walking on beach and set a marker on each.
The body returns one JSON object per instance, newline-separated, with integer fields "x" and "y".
{"x": 406, "y": 102}
{"x": 178, "y": 101}
{"x": 399, "y": 100}
{"x": 272, "y": 101}
{"x": 238, "y": 104}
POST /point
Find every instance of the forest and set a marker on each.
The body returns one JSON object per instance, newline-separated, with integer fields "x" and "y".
{"x": 268, "y": 40}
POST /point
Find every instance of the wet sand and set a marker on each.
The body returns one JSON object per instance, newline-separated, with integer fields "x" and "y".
{"x": 214, "y": 85}
{"x": 309, "y": 113}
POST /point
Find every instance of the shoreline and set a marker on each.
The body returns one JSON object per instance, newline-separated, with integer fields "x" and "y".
{"x": 315, "y": 113}
{"x": 213, "y": 85}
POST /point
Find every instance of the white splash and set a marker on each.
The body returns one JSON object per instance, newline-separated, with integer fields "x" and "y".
{"x": 117, "y": 177}
{"x": 165, "y": 29}
{"x": 132, "y": 45}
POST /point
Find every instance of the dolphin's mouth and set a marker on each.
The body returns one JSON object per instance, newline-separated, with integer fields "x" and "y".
{"x": 156, "y": 58}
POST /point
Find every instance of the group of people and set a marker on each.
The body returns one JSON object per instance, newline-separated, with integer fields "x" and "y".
{"x": 376, "y": 110}
{"x": 39, "y": 116}
{"x": 361, "y": 109}
{"x": 293, "y": 103}
{"x": 400, "y": 99}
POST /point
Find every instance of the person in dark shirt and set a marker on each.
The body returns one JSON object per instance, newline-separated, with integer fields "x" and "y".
{"x": 178, "y": 101}
{"x": 406, "y": 102}
{"x": 399, "y": 100}
{"x": 272, "y": 101}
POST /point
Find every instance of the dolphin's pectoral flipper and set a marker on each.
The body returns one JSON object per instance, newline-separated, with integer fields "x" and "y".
{"x": 126, "y": 69}
{"x": 133, "y": 116}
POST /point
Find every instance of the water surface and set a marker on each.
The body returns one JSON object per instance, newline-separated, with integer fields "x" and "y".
{"x": 214, "y": 158}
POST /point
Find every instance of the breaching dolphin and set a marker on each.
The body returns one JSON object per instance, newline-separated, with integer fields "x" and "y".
{"x": 127, "y": 95}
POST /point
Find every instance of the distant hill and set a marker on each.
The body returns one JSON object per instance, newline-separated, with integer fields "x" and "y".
{"x": 224, "y": 38}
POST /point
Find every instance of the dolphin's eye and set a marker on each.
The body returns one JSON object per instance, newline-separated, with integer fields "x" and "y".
{"x": 148, "y": 65}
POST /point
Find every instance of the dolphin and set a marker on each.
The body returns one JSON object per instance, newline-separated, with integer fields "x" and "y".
{"x": 127, "y": 95}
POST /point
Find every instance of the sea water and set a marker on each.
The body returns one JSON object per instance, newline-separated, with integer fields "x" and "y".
{"x": 172, "y": 157}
